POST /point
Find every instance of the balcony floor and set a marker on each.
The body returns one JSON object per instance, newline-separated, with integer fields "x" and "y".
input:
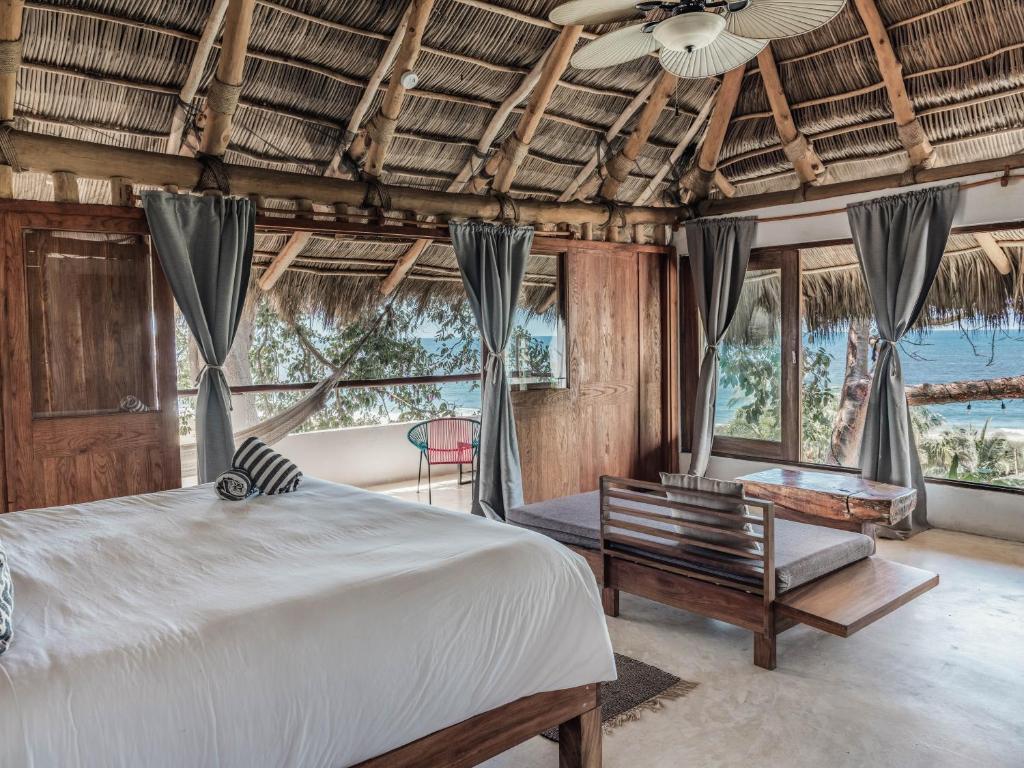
{"x": 446, "y": 490}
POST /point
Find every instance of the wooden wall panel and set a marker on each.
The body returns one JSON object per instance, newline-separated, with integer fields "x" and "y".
{"x": 611, "y": 419}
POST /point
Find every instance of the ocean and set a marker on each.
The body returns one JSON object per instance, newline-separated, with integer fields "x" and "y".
{"x": 940, "y": 356}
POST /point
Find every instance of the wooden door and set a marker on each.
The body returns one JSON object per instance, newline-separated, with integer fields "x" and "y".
{"x": 89, "y": 390}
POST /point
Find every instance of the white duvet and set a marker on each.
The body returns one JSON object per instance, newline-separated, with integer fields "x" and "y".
{"x": 320, "y": 628}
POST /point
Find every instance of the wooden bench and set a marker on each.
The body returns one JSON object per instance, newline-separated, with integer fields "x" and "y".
{"x": 634, "y": 540}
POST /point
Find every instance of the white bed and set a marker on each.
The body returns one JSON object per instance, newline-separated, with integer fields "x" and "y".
{"x": 321, "y": 628}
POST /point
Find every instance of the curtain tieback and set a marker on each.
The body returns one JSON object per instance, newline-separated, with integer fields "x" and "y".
{"x": 221, "y": 382}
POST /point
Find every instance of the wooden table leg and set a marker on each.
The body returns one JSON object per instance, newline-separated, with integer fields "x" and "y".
{"x": 579, "y": 741}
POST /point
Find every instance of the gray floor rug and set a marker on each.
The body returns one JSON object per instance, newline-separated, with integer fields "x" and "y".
{"x": 640, "y": 688}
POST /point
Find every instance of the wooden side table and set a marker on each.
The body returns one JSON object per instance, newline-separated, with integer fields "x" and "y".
{"x": 837, "y": 500}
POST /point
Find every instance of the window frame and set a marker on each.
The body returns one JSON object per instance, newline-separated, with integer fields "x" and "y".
{"x": 562, "y": 304}
{"x": 788, "y": 452}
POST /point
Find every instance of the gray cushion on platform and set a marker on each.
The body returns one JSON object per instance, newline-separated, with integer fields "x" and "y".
{"x": 574, "y": 520}
{"x": 803, "y": 552}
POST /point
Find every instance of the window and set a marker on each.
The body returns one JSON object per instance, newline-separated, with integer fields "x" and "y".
{"x": 535, "y": 356}
{"x": 963, "y": 365}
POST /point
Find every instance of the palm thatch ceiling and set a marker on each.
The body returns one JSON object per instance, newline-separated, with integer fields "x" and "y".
{"x": 111, "y": 71}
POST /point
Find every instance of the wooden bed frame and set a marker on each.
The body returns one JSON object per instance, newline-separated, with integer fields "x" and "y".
{"x": 575, "y": 711}
{"x": 841, "y": 603}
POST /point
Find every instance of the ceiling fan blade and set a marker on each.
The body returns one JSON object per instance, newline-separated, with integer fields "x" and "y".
{"x": 595, "y": 12}
{"x": 616, "y": 47}
{"x": 776, "y": 19}
{"x": 725, "y": 53}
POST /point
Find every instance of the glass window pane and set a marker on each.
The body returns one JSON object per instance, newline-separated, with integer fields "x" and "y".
{"x": 536, "y": 350}
{"x": 749, "y": 403}
{"x": 91, "y": 322}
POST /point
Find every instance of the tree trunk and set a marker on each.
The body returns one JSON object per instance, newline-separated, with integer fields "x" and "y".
{"x": 844, "y": 447}
{"x": 238, "y": 370}
{"x": 1008, "y": 388}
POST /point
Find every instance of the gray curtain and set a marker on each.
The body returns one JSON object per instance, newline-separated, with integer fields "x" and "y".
{"x": 900, "y": 241}
{"x": 205, "y": 248}
{"x": 492, "y": 259}
{"x": 719, "y": 250}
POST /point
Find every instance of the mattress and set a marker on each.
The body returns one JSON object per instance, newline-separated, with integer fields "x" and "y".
{"x": 319, "y": 628}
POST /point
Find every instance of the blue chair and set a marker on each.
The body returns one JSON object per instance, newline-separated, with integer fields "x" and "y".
{"x": 449, "y": 440}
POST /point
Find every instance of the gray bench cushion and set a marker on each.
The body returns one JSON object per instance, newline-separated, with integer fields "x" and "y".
{"x": 803, "y": 552}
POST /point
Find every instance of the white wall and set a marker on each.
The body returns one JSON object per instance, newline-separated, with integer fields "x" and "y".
{"x": 971, "y": 510}
{"x": 362, "y": 456}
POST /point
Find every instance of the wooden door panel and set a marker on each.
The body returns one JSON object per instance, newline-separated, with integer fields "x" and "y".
{"x": 89, "y": 321}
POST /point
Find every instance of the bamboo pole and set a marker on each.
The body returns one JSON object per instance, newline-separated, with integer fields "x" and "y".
{"x": 698, "y": 180}
{"x": 994, "y": 252}
{"x": 912, "y": 135}
{"x": 617, "y": 169}
{"x": 680, "y": 148}
{"x": 503, "y": 166}
{"x": 616, "y": 128}
{"x": 46, "y": 154}
{"x": 394, "y": 97}
{"x": 222, "y": 97}
{"x": 195, "y": 73}
{"x": 800, "y": 152}
{"x": 10, "y": 39}
{"x": 402, "y": 267}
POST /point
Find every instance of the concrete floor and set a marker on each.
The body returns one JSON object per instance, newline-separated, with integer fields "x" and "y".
{"x": 938, "y": 683}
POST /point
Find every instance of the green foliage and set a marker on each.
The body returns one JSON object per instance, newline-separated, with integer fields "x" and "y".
{"x": 754, "y": 373}
{"x": 971, "y": 455}
{"x": 528, "y": 357}
{"x": 819, "y": 406}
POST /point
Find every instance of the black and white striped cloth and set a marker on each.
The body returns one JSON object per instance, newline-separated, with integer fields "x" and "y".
{"x": 271, "y": 472}
{"x": 6, "y": 603}
{"x": 235, "y": 485}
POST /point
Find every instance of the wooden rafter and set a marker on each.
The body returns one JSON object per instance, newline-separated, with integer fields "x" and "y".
{"x": 10, "y": 38}
{"x": 994, "y": 252}
{"x": 798, "y": 149}
{"x": 617, "y": 170}
{"x": 586, "y": 173}
{"x": 222, "y": 96}
{"x": 204, "y": 47}
{"x": 697, "y": 182}
{"x": 680, "y": 148}
{"x": 501, "y": 169}
{"x": 382, "y": 129}
{"x": 911, "y": 132}
{"x": 402, "y": 267}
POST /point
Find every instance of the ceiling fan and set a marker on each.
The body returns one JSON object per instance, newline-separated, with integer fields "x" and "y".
{"x": 693, "y": 38}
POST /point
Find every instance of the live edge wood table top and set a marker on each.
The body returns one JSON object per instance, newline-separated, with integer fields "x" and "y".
{"x": 837, "y": 500}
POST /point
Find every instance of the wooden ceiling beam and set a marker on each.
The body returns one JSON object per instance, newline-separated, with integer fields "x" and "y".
{"x": 696, "y": 184}
{"x": 190, "y": 87}
{"x": 10, "y": 39}
{"x": 222, "y": 95}
{"x": 798, "y": 149}
{"x": 586, "y": 173}
{"x": 684, "y": 143}
{"x": 402, "y": 267}
{"x": 617, "y": 169}
{"x": 994, "y": 252}
{"x": 383, "y": 124}
{"x": 500, "y": 170}
{"x": 911, "y": 132}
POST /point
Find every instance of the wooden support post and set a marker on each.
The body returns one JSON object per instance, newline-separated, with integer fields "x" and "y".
{"x": 121, "y": 192}
{"x": 697, "y": 182}
{"x": 65, "y": 187}
{"x": 798, "y": 149}
{"x": 195, "y": 74}
{"x": 10, "y": 39}
{"x": 402, "y": 267}
{"x": 994, "y": 252}
{"x": 680, "y": 148}
{"x": 222, "y": 95}
{"x": 355, "y": 142}
{"x": 382, "y": 128}
{"x": 911, "y": 133}
{"x": 503, "y": 166}
{"x": 617, "y": 169}
{"x": 586, "y": 174}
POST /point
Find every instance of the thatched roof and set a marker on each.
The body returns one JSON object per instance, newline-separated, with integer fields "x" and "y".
{"x": 968, "y": 289}
{"x": 109, "y": 71}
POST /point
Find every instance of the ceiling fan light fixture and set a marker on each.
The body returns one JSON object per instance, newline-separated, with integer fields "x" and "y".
{"x": 689, "y": 32}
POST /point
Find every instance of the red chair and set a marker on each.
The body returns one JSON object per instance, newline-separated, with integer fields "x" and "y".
{"x": 446, "y": 441}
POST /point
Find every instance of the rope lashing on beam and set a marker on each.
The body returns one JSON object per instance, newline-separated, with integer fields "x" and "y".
{"x": 615, "y": 210}
{"x": 377, "y": 196}
{"x": 620, "y": 167}
{"x": 508, "y": 209}
{"x": 10, "y": 56}
{"x": 222, "y": 97}
{"x": 516, "y": 150}
{"x": 798, "y": 149}
{"x": 381, "y": 129}
{"x": 214, "y": 176}
{"x": 698, "y": 181}
{"x": 8, "y": 154}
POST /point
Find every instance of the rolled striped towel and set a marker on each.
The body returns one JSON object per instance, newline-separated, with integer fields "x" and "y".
{"x": 235, "y": 485}
{"x": 132, "y": 404}
{"x": 271, "y": 472}
{"x": 6, "y": 603}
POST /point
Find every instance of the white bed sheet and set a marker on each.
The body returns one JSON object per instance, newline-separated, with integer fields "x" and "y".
{"x": 316, "y": 629}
